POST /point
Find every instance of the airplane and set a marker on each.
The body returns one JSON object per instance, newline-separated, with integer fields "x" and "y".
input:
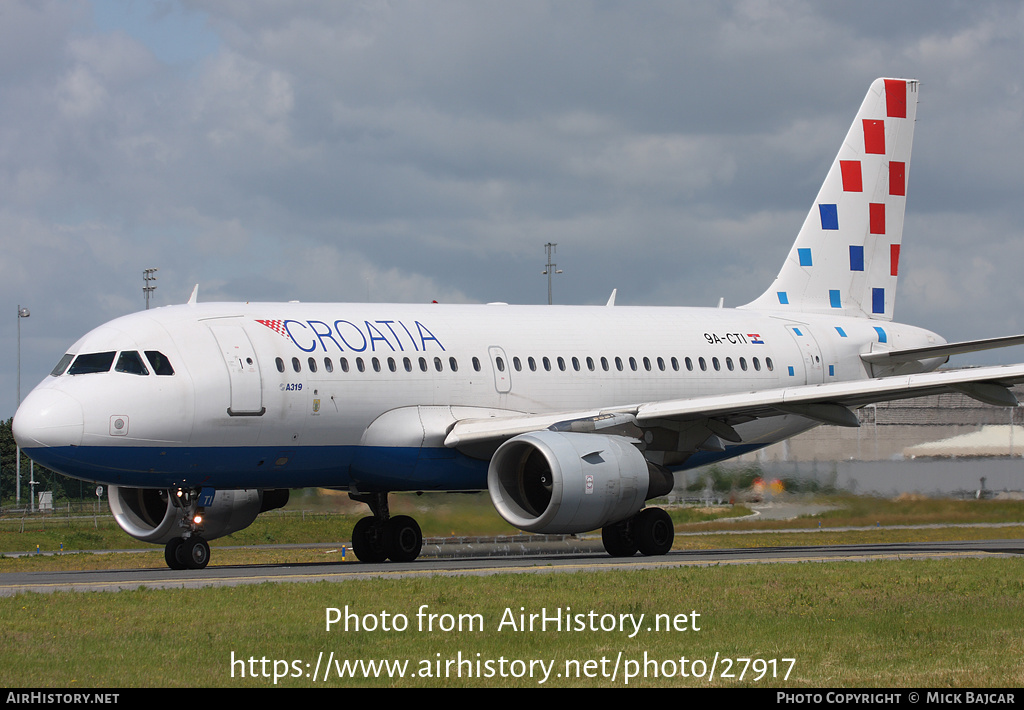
{"x": 201, "y": 416}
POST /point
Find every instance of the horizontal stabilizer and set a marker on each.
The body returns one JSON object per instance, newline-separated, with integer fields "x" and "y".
{"x": 945, "y": 350}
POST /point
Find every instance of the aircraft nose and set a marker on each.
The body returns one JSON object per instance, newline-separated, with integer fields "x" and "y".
{"x": 48, "y": 418}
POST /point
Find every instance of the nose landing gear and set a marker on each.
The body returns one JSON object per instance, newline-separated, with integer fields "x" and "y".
{"x": 190, "y": 551}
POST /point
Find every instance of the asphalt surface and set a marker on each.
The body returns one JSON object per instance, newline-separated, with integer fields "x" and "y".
{"x": 473, "y": 557}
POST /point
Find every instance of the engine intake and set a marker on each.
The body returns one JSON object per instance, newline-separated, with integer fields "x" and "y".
{"x": 149, "y": 514}
{"x": 565, "y": 482}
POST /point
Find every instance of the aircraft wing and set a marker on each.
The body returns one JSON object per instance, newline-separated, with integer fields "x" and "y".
{"x": 828, "y": 403}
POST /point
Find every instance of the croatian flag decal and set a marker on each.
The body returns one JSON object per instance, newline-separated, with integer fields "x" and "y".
{"x": 755, "y": 338}
{"x": 275, "y": 325}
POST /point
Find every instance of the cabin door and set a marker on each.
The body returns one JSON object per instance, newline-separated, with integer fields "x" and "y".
{"x": 243, "y": 370}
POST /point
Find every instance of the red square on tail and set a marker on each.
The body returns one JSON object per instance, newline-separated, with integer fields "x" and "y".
{"x": 895, "y": 98}
{"x": 874, "y": 136}
{"x": 851, "y": 175}
{"x": 877, "y": 217}
{"x": 897, "y": 178}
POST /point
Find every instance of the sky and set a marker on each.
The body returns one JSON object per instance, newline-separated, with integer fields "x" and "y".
{"x": 418, "y": 151}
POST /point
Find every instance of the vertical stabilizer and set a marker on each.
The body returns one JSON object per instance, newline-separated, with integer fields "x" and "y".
{"x": 846, "y": 257}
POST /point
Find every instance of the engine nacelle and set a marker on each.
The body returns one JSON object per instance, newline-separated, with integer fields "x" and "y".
{"x": 566, "y": 482}
{"x": 149, "y": 514}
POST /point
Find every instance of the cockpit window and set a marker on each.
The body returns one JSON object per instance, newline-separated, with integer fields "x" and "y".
{"x": 88, "y": 363}
{"x": 62, "y": 365}
{"x": 130, "y": 362}
{"x": 161, "y": 365}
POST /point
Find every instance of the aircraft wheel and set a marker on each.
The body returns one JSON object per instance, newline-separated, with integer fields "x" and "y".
{"x": 402, "y": 538}
{"x": 618, "y": 539}
{"x": 171, "y": 552}
{"x": 368, "y": 542}
{"x": 654, "y": 531}
{"x": 197, "y": 552}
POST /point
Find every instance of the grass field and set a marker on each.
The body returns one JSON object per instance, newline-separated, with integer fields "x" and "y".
{"x": 935, "y": 623}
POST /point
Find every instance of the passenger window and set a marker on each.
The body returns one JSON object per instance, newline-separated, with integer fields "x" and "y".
{"x": 647, "y": 363}
{"x": 632, "y": 364}
{"x": 62, "y": 365}
{"x": 561, "y": 363}
{"x": 516, "y": 363}
{"x": 728, "y": 363}
{"x": 576, "y": 364}
{"x": 604, "y": 364}
{"x": 280, "y": 364}
{"x": 296, "y": 365}
{"x": 757, "y": 364}
{"x": 476, "y": 363}
{"x": 376, "y": 364}
{"x": 547, "y": 364}
{"x": 717, "y": 365}
{"x": 159, "y": 362}
{"x": 344, "y": 364}
{"x": 532, "y": 363}
{"x": 500, "y": 364}
{"x": 312, "y": 364}
{"x": 423, "y": 364}
{"x": 675, "y": 363}
{"x": 328, "y": 365}
{"x": 130, "y": 362}
{"x": 618, "y": 363}
{"x": 768, "y": 363}
{"x": 743, "y": 364}
{"x": 703, "y": 365}
{"x": 590, "y": 364}
{"x": 392, "y": 365}
{"x": 454, "y": 364}
{"x": 437, "y": 364}
{"x": 689, "y": 364}
{"x": 92, "y": 362}
{"x": 360, "y": 365}
{"x": 408, "y": 364}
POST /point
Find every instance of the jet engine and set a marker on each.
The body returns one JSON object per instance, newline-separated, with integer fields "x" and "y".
{"x": 151, "y": 514}
{"x": 567, "y": 482}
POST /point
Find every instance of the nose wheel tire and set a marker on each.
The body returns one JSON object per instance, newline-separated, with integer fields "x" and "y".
{"x": 187, "y": 553}
{"x": 196, "y": 552}
{"x": 171, "y": 554}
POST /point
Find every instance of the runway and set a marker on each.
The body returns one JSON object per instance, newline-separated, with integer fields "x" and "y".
{"x": 550, "y": 560}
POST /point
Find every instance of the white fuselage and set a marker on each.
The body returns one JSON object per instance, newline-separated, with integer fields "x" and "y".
{"x": 287, "y": 394}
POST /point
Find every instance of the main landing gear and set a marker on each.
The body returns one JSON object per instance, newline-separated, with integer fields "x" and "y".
{"x": 190, "y": 551}
{"x": 650, "y": 531}
{"x": 382, "y": 537}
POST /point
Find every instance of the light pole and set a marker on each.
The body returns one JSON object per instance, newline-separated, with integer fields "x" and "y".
{"x": 147, "y": 277}
{"x": 22, "y": 313}
{"x": 549, "y": 269}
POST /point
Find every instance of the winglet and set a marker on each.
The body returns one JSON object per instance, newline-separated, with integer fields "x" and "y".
{"x": 611, "y": 299}
{"x": 194, "y": 297}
